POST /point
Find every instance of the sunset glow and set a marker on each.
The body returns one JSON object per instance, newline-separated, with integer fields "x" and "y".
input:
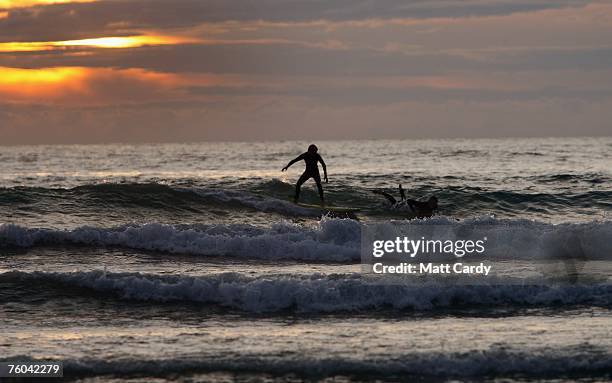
{"x": 7, "y": 4}
{"x": 88, "y": 86}
{"x": 40, "y": 85}
{"x": 102, "y": 42}
{"x": 122, "y": 42}
{"x": 46, "y": 76}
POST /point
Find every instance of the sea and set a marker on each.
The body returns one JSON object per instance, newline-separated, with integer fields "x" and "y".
{"x": 190, "y": 262}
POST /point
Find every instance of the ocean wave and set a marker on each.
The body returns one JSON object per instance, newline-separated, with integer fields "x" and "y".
{"x": 148, "y": 196}
{"x": 318, "y": 293}
{"x": 256, "y": 202}
{"x": 330, "y": 239}
{"x": 493, "y": 361}
{"x": 592, "y": 178}
{"x": 273, "y": 196}
{"x": 463, "y": 200}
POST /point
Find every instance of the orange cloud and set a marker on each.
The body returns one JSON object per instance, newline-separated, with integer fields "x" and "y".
{"x": 39, "y": 84}
{"x": 106, "y": 86}
{"x": 25, "y": 77}
{"x": 98, "y": 86}
{"x": 101, "y": 42}
{"x": 79, "y": 85}
{"x": 8, "y": 4}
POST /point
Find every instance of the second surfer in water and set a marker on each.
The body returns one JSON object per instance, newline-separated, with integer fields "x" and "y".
{"x": 420, "y": 209}
{"x": 312, "y": 159}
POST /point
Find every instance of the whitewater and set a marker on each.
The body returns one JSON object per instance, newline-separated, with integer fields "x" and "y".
{"x": 160, "y": 262}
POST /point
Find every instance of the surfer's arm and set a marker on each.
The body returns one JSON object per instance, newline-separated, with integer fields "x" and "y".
{"x": 324, "y": 168}
{"x": 388, "y": 196}
{"x": 293, "y": 161}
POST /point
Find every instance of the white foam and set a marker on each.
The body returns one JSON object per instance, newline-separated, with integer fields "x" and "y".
{"x": 322, "y": 293}
{"x": 329, "y": 240}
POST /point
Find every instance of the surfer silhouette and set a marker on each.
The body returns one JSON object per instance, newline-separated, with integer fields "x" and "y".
{"x": 421, "y": 209}
{"x": 312, "y": 159}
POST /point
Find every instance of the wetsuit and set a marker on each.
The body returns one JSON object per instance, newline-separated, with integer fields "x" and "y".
{"x": 312, "y": 171}
{"x": 420, "y": 209}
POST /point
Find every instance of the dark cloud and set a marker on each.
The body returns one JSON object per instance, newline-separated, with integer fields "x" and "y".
{"x": 288, "y": 59}
{"x": 374, "y": 96}
{"x": 82, "y": 20}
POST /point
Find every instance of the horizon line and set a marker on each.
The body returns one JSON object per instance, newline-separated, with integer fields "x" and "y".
{"x": 186, "y": 142}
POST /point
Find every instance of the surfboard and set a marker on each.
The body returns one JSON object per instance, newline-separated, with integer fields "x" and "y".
{"x": 335, "y": 209}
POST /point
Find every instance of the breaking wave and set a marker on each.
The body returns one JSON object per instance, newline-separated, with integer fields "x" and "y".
{"x": 328, "y": 240}
{"x": 317, "y": 293}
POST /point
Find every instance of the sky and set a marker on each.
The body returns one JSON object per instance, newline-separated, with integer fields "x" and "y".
{"x": 192, "y": 70}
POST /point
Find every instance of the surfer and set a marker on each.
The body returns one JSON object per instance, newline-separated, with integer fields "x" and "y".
{"x": 312, "y": 159}
{"x": 421, "y": 209}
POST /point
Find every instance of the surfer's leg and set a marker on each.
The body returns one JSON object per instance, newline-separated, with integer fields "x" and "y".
{"x": 317, "y": 179}
{"x": 303, "y": 178}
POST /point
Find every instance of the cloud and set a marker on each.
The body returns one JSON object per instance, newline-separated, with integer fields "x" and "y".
{"x": 546, "y": 39}
{"x": 83, "y": 20}
{"x": 83, "y": 86}
{"x": 86, "y": 86}
{"x": 218, "y": 69}
{"x": 11, "y": 4}
{"x": 298, "y": 60}
{"x": 114, "y": 86}
{"x": 122, "y": 42}
{"x": 281, "y": 118}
